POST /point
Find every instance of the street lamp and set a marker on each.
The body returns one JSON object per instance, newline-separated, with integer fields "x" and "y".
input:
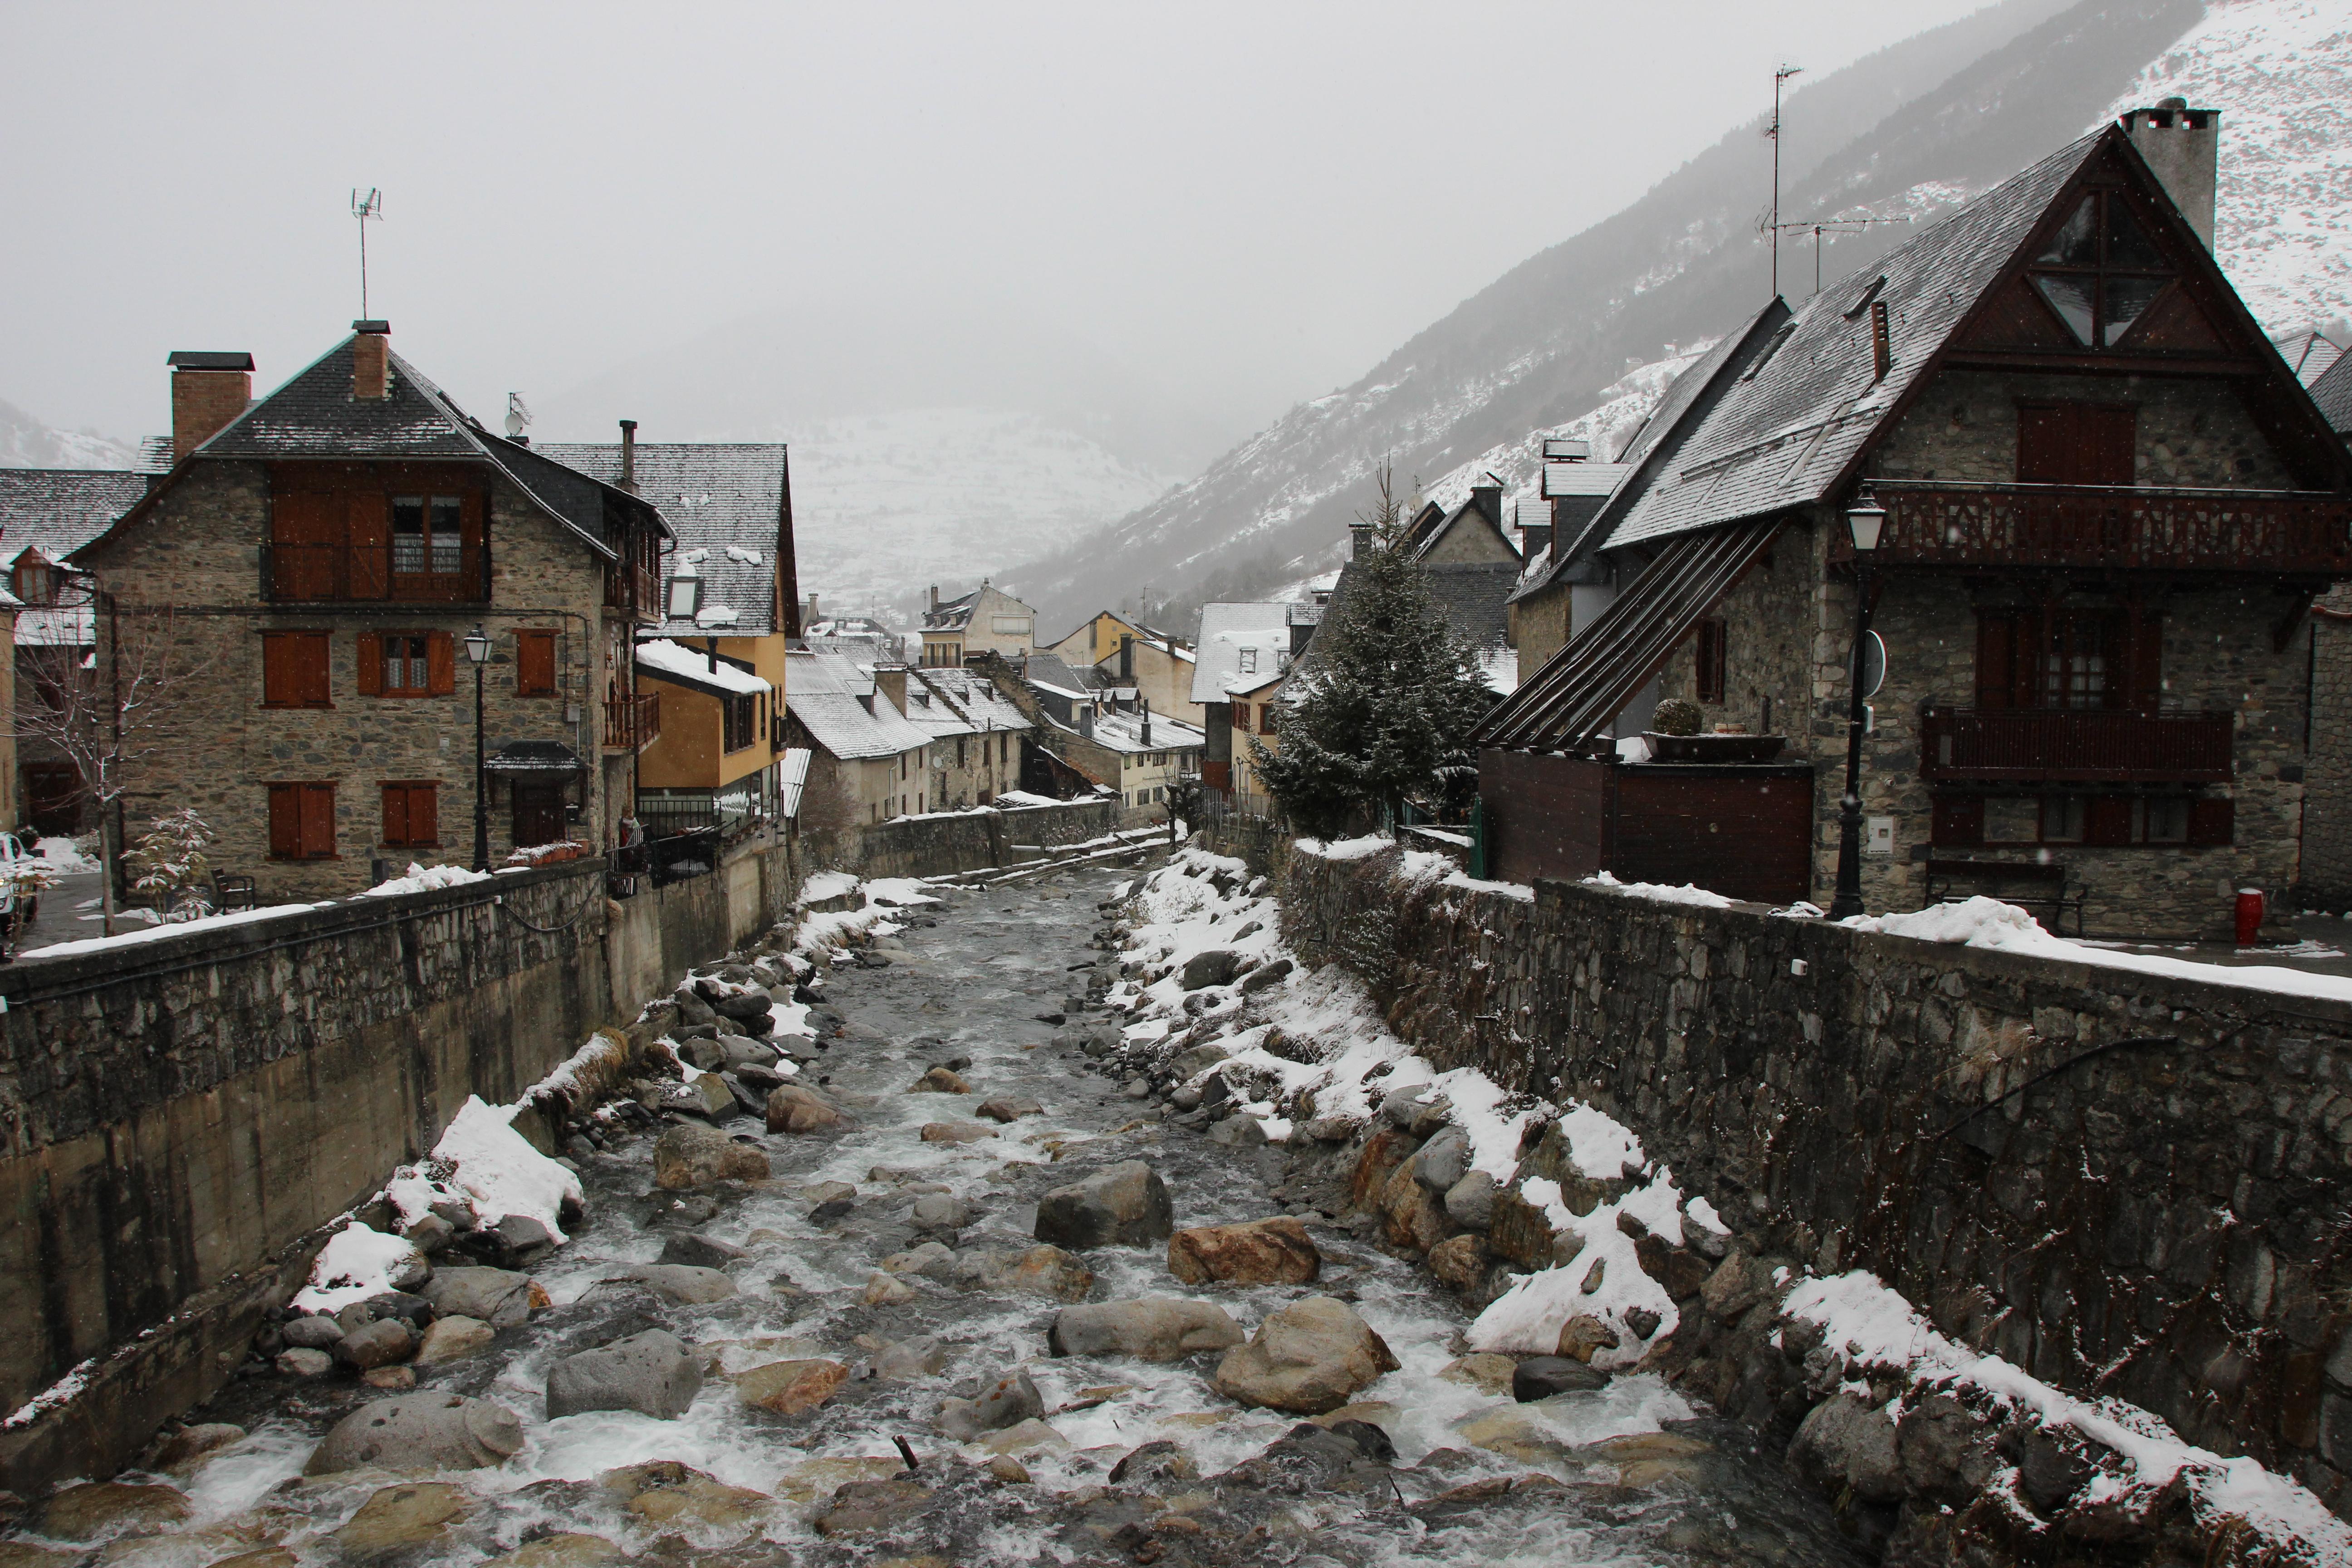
{"x": 477, "y": 650}
{"x": 1865, "y": 521}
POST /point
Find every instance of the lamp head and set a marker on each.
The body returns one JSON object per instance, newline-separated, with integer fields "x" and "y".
{"x": 1865, "y": 521}
{"x": 477, "y": 646}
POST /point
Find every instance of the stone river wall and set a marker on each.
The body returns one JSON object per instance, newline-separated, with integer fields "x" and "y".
{"x": 2126, "y": 1184}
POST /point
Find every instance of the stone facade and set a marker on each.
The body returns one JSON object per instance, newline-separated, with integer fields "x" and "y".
{"x": 2125, "y": 1185}
{"x": 219, "y": 748}
{"x": 2325, "y": 875}
{"x": 2195, "y": 434}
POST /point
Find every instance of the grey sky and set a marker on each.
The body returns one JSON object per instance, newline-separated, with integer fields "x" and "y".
{"x": 1254, "y": 201}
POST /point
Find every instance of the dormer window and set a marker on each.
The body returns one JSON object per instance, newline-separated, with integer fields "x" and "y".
{"x": 682, "y": 597}
{"x": 36, "y": 580}
{"x": 2099, "y": 273}
{"x": 1249, "y": 661}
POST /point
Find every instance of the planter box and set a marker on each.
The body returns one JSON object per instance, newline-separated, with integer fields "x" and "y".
{"x": 1714, "y": 748}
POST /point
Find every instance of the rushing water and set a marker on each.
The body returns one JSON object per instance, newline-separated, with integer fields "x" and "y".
{"x": 1674, "y": 1486}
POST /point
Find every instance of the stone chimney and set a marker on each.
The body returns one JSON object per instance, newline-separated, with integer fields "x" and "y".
{"x": 208, "y": 389}
{"x": 1534, "y": 527}
{"x": 629, "y": 456}
{"x": 935, "y": 597}
{"x": 1147, "y": 721}
{"x": 372, "y": 361}
{"x": 2182, "y": 145}
{"x": 890, "y": 680}
{"x": 1487, "y": 497}
{"x": 1360, "y": 540}
{"x": 811, "y": 618}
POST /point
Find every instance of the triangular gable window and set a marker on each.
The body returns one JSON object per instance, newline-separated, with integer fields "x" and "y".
{"x": 2099, "y": 273}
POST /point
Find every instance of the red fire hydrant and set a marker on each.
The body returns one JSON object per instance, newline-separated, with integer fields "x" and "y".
{"x": 2249, "y": 915}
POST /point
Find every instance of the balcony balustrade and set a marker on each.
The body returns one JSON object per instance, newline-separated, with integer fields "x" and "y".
{"x": 2123, "y": 527}
{"x": 1987, "y": 745}
{"x": 631, "y": 724}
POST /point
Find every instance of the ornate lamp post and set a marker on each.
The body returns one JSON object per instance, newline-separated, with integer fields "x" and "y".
{"x": 477, "y": 650}
{"x": 1864, "y": 520}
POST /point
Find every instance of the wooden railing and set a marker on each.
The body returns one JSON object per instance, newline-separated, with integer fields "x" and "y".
{"x": 1984, "y": 744}
{"x": 1933, "y": 523}
{"x": 331, "y": 573}
{"x": 632, "y": 723}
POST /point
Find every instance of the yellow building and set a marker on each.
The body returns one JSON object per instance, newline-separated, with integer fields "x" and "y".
{"x": 1130, "y": 654}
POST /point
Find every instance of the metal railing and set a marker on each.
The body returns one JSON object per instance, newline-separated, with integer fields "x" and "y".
{"x": 1959, "y": 745}
{"x": 1933, "y": 523}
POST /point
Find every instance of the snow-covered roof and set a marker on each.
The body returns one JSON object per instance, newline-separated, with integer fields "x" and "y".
{"x": 70, "y": 627}
{"x": 843, "y": 710}
{"x": 1263, "y": 626}
{"x": 984, "y": 707}
{"x": 1582, "y": 479}
{"x": 61, "y": 509}
{"x": 661, "y": 657}
{"x": 724, "y": 500}
{"x": 1123, "y": 731}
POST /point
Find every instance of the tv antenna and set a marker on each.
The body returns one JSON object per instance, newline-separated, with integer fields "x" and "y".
{"x": 1819, "y": 226}
{"x": 365, "y": 206}
{"x": 1779, "y": 76}
{"x": 517, "y": 415}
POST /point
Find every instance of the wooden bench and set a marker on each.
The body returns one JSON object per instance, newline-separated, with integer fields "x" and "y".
{"x": 233, "y": 890}
{"x": 2047, "y": 877}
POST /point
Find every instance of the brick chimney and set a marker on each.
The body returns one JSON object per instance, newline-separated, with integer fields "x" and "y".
{"x": 2183, "y": 146}
{"x": 629, "y": 456}
{"x": 372, "y": 360}
{"x": 208, "y": 389}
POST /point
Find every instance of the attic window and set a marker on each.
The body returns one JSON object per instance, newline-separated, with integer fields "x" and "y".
{"x": 2099, "y": 273}
{"x": 1249, "y": 661}
{"x": 683, "y": 595}
{"x": 1869, "y": 298}
{"x": 1770, "y": 349}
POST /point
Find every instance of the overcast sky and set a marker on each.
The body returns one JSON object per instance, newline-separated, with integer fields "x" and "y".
{"x": 1255, "y": 201}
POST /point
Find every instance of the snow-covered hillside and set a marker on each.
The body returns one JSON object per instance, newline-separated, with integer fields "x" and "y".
{"x": 26, "y": 443}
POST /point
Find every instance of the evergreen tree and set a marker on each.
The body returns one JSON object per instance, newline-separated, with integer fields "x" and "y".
{"x": 1386, "y": 709}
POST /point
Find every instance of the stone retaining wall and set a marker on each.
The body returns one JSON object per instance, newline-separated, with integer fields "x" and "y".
{"x": 945, "y": 843}
{"x": 2127, "y": 1185}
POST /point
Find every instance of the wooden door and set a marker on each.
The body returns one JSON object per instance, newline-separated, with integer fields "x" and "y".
{"x": 538, "y": 815}
{"x": 52, "y": 798}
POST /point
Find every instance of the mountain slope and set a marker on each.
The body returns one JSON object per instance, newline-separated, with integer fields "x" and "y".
{"x": 1908, "y": 132}
{"x": 26, "y": 443}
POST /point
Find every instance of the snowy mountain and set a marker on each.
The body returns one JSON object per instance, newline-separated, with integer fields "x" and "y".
{"x": 1579, "y": 339}
{"x": 26, "y": 443}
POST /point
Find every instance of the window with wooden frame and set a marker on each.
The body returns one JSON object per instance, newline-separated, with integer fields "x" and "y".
{"x": 407, "y": 664}
{"x": 1709, "y": 673}
{"x": 34, "y": 580}
{"x": 735, "y": 719}
{"x": 412, "y": 814}
{"x": 427, "y": 536}
{"x": 294, "y": 670}
{"x": 2099, "y": 273}
{"x": 535, "y": 663}
{"x": 2070, "y": 658}
{"x": 302, "y": 821}
{"x": 2095, "y": 820}
{"x": 1265, "y": 720}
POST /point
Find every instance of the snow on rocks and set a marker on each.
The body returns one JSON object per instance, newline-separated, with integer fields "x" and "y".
{"x": 358, "y": 1262}
{"x": 497, "y": 1169}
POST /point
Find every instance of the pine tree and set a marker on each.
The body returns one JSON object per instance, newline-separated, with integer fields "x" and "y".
{"x": 1386, "y": 710}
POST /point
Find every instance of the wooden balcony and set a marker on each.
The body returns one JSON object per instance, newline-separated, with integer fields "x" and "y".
{"x": 372, "y": 575}
{"x": 1981, "y": 745}
{"x": 2121, "y": 527}
{"x": 632, "y": 723}
{"x": 635, "y": 589}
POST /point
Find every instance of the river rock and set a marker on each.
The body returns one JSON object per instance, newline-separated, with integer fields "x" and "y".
{"x": 1470, "y": 1202}
{"x": 706, "y": 1095}
{"x": 1442, "y": 1160}
{"x": 1412, "y": 1218}
{"x": 1459, "y": 1262}
{"x": 97, "y": 1508}
{"x": 1541, "y": 1376}
{"x": 793, "y": 1108}
{"x": 185, "y": 1450}
{"x": 1239, "y": 1131}
{"x": 564, "y": 1548}
{"x": 1007, "y": 1402}
{"x": 1215, "y": 967}
{"x": 921, "y": 1357}
{"x": 498, "y": 1296}
{"x": 1195, "y": 1060}
{"x": 791, "y": 1387}
{"x": 1487, "y": 1371}
{"x": 1154, "y": 1328}
{"x": 447, "y": 1339}
{"x": 420, "y": 1432}
{"x": 743, "y": 1051}
{"x": 1312, "y": 1356}
{"x": 1008, "y": 1109}
{"x": 697, "y": 1250}
{"x": 882, "y": 1289}
{"x": 939, "y": 1081}
{"x": 940, "y": 1212}
{"x": 1849, "y": 1441}
{"x": 1125, "y": 1205}
{"x": 692, "y": 1156}
{"x": 956, "y": 1133}
{"x": 316, "y": 1332}
{"x": 1737, "y": 1283}
{"x": 860, "y": 1508}
{"x": 653, "y": 1373}
{"x": 303, "y": 1361}
{"x": 375, "y": 1344}
{"x": 678, "y": 1282}
{"x": 665, "y": 1492}
{"x": 1039, "y": 1271}
{"x": 1264, "y": 1252}
{"x": 1154, "y": 1464}
{"x": 402, "y": 1515}
{"x": 744, "y": 1007}
{"x": 522, "y": 1239}
{"x": 932, "y": 1260}
{"x": 1585, "y": 1336}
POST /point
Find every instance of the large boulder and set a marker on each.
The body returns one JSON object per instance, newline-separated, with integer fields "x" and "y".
{"x": 791, "y": 1387}
{"x": 1125, "y": 1205}
{"x": 498, "y": 1296}
{"x": 1847, "y": 1441}
{"x": 419, "y": 1432}
{"x": 1215, "y": 967}
{"x": 1442, "y": 1160}
{"x": 792, "y": 1108}
{"x": 1312, "y": 1357}
{"x": 1007, "y": 1402}
{"x": 1038, "y": 1271}
{"x": 692, "y": 1156}
{"x": 1155, "y": 1328}
{"x": 1265, "y": 1252}
{"x": 678, "y": 1282}
{"x": 653, "y": 1373}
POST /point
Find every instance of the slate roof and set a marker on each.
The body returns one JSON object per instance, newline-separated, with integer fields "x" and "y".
{"x": 1224, "y": 631}
{"x": 1049, "y": 670}
{"x": 824, "y": 691}
{"x": 1123, "y": 733}
{"x": 2332, "y": 393}
{"x": 714, "y": 494}
{"x": 315, "y": 415}
{"x": 1582, "y": 479}
{"x": 2310, "y": 354}
{"x": 61, "y": 509}
{"x": 1471, "y": 595}
{"x": 975, "y": 697}
{"x": 952, "y": 614}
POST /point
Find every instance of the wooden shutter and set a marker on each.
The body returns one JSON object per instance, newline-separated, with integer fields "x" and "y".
{"x": 285, "y": 822}
{"x": 368, "y": 524}
{"x": 276, "y": 682}
{"x": 440, "y": 664}
{"x": 2009, "y": 644}
{"x": 2045, "y": 443}
{"x": 2147, "y": 662}
{"x": 2107, "y": 821}
{"x": 534, "y": 664}
{"x": 2212, "y": 821}
{"x": 302, "y": 561}
{"x": 395, "y": 813}
{"x": 318, "y": 821}
{"x": 1958, "y": 820}
{"x": 425, "y": 813}
{"x": 2109, "y": 438}
{"x": 1711, "y": 661}
{"x": 371, "y": 664}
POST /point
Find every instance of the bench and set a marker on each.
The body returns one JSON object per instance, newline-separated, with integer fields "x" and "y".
{"x": 233, "y": 890}
{"x": 2047, "y": 879}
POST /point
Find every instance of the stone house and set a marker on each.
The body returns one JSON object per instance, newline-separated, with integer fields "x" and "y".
{"x": 1471, "y": 568}
{"x": 317, "y": 559}
{"x": 976, "y": 734}
{"x": 729, "y": 605}
{"x": 1241, "y": 652}
{"x": 986, "y": 620}
{"x": 2108, "y": 507}
{"x": 1544, "y": 603}
{"x": 1157, "y": 664}
{"x": 2325, "y": 878}
{"x": 868, "y": 764}
{"x": 1108, "y": 734}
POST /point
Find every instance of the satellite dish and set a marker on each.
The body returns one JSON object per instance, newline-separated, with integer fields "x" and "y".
{"x": 518, "y": 414}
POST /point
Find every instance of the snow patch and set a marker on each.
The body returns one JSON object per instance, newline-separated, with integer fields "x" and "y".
{"x": 500, "y": 1172}
{"x": 357, "y": 1262}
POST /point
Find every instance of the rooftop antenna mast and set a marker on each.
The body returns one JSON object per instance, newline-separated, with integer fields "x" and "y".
{"x": 1778, "y": 77}
{"x": 365, "y": 206}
